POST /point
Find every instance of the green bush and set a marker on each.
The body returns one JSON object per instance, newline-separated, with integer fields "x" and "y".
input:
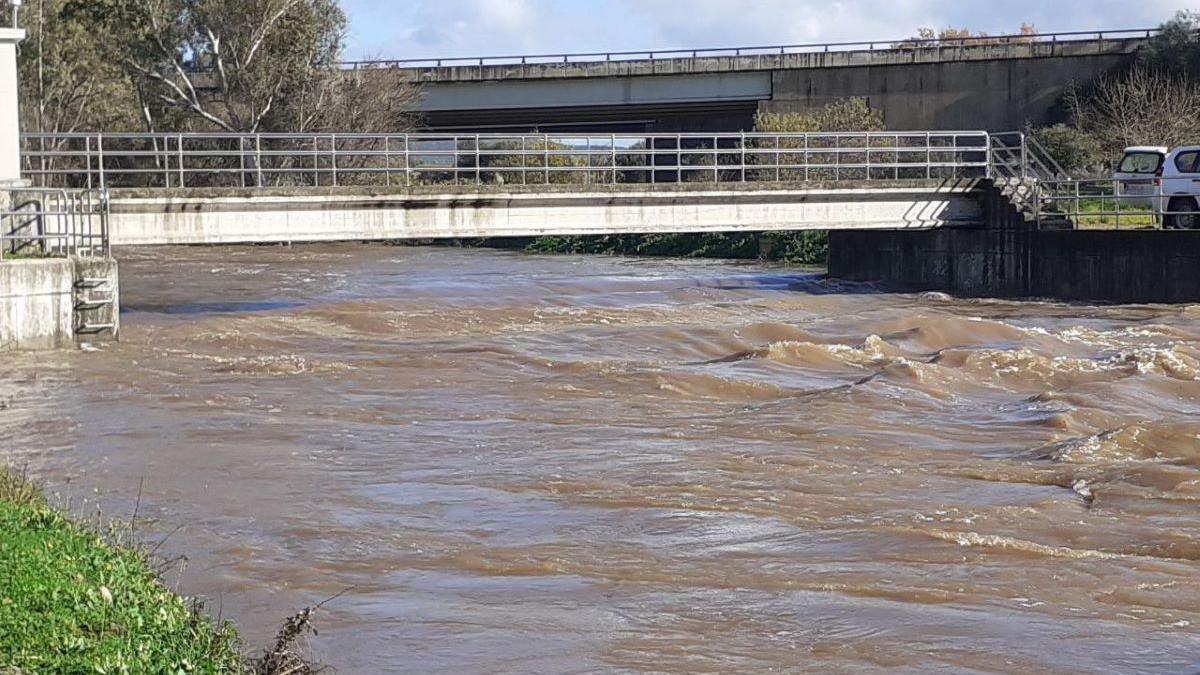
{"x": 1078, "y": 152}
{"x": 850, "y": 114}
{"x": 801, "y": 248}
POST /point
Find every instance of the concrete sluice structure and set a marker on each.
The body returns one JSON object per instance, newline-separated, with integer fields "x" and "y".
{"x": 52, "y": 303}
{"x": 59, "y": 284}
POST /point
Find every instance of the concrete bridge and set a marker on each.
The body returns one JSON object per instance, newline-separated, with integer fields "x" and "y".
{"x": 994, "y": 83}
{"x": 210, "y": 189}
{"x": 961, "y": 211}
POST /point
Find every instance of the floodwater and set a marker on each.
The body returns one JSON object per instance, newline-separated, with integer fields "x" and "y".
{"x": 517, "y": 464}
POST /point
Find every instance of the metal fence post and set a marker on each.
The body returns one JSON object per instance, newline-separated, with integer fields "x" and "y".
{"x": 478, "y": 173}
{"x": 1117, "y": 200}
{"x": 742, "y": 145}
{"x": 407, "y": 161}
{"x": 87, "y": 153}
{"x": 776, "y": 162}
{"x": 612, "y": 145}
{"x": 806, "y": 157}
{"x": 990, "y": 156}
{"x": 100, "y": 157}
{"x": 454, "y": 160}
{"x": 1024, "y": 157}
{"x": 1037, "y": 204}
{"x": 179, "y": 149}
{"x": 162, "y": 157}
{"x": 333, "y": 157}
{"x": 678, "y": 158}
{"x": 258, "y": 158}
{"x": 896, "y": 156}
{"x": 868, "y": 155}
{"x": 716, "y": 160}
{"x": 928, "y": 156}
{"x": 316, "y": 157}
{"x": 387, "y": 160}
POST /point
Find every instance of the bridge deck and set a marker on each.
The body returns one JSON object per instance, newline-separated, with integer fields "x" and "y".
{"x": 198, "y": 216}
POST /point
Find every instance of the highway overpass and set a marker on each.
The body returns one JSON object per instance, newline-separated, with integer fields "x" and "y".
{"x": 994, "y": 83}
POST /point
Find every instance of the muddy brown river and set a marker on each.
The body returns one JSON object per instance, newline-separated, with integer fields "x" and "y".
{"x": 526, "y": 464}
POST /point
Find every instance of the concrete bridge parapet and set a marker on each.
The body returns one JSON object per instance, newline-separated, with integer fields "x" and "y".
{"x": 899, "y": 55}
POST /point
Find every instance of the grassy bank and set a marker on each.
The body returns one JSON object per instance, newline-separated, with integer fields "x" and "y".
{"x": 72, "y": 603}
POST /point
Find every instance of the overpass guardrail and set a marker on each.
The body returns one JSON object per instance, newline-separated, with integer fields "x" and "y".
{"x": 576, "y": 58}
{"x": 103, "y": 161}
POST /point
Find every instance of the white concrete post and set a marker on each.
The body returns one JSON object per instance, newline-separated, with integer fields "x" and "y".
{"x": 10, "y": 119}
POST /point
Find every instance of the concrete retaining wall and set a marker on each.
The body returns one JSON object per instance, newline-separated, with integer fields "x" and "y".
{"x": 1095, "y": 266}
{"x": 185, "y": 217}
{"x": 997, "y": 95}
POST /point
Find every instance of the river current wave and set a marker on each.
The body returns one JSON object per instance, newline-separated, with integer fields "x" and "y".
{"x": 585, "y": 464}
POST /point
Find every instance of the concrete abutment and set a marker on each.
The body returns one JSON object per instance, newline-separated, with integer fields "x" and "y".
{"x": 1008, "y": 257}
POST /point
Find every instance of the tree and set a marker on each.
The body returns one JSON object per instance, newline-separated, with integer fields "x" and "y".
{"x": 929, "y": 37}
{"x": 227, "y": 64}
{"x": 1139, "y": 107}
{"x": 367, "y": 99}
{"x": 68, "y": 80}
{"x": 1150, "y": 101}
{"x": 1176, "y": 48}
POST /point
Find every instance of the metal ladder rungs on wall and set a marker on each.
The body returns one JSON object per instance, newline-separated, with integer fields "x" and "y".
{"x": 88, "y": 302}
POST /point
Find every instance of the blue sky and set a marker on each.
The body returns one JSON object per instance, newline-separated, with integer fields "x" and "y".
{"x": 442, "y": 28}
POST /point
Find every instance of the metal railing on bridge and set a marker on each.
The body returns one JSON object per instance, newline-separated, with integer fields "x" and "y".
{"x": 577, "y": 58}
{"x": 319, "y": 160}
{"x": 42, "y": 222}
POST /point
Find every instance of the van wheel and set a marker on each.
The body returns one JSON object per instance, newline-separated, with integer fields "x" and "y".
{"x": 1184, "y": 215}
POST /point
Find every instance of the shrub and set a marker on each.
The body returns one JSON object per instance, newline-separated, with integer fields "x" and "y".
{"x": 1078, "y": 152}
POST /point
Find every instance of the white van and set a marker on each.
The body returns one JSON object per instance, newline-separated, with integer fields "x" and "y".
{"x": 1180, "y": 189}
{"x": 1138, "y": 173}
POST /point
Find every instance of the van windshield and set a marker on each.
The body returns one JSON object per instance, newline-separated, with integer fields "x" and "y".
{"x": 1140, "y": 162}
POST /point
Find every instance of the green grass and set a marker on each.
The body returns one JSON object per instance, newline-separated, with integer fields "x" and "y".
{"x": 70, "y": 602}
{"x": 29, "y": 255}
{"x": 1131, "y": 216}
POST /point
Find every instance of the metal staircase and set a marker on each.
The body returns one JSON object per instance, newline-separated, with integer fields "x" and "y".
{"x": 1019, "y": 166}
